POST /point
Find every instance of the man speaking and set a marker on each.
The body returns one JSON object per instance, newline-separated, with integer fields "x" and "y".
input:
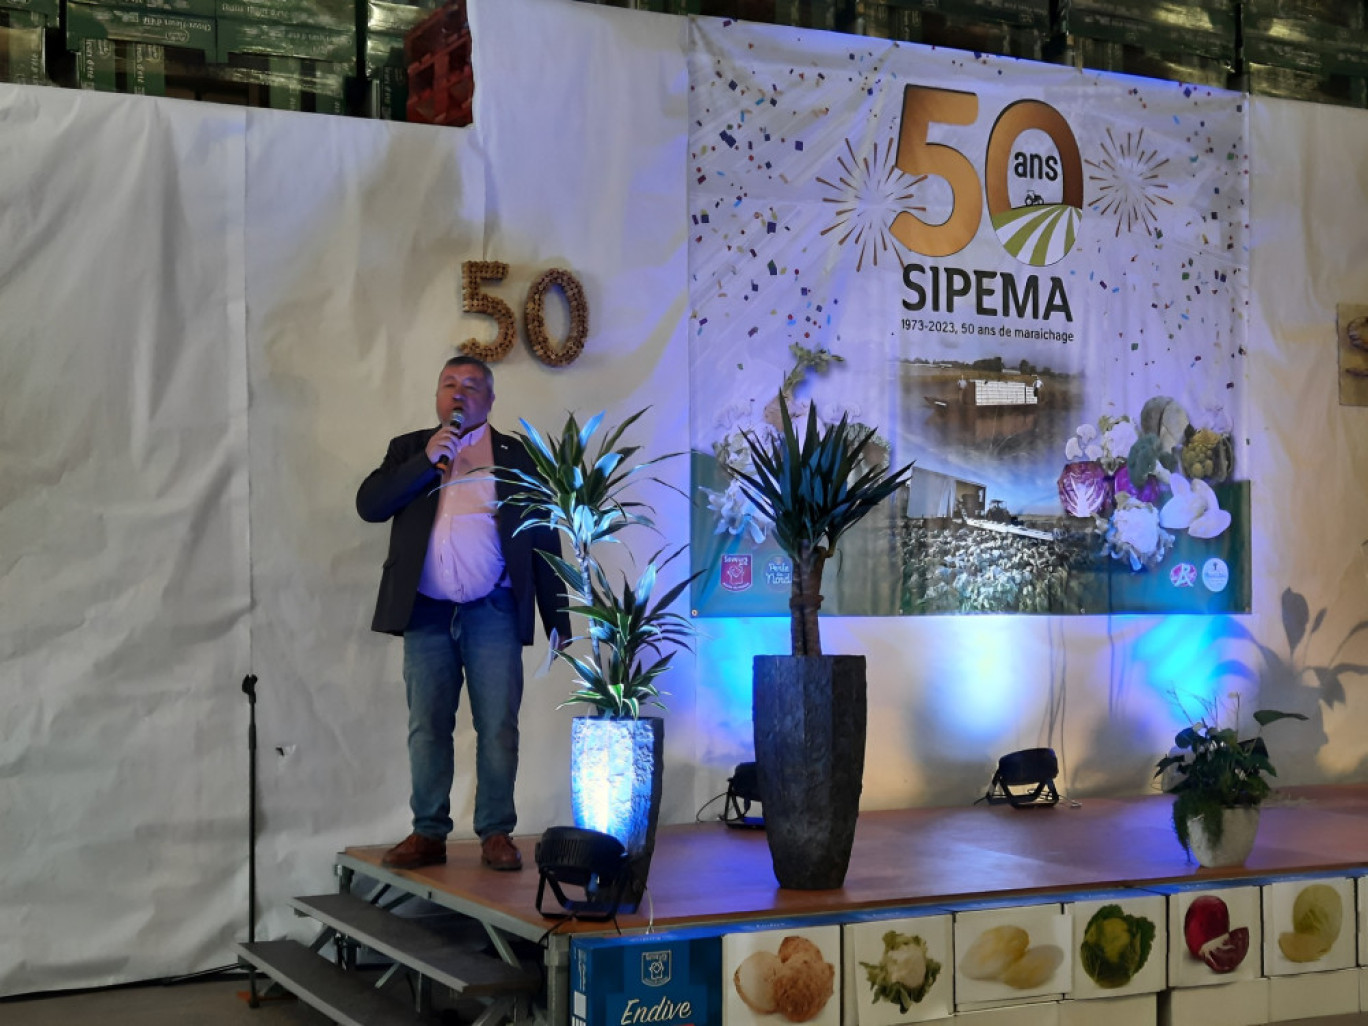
{"x": 459, "y": 584}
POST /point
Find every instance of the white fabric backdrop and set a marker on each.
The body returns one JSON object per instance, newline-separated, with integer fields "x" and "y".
{"x": 123, "y": 537}
{"x": 135, "y": 593}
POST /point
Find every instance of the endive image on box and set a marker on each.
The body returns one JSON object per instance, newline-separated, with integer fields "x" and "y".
{"x": 1009, "y": 954}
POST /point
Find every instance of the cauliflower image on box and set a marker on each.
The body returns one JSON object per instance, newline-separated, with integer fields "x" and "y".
{"x": 905, "y": 973}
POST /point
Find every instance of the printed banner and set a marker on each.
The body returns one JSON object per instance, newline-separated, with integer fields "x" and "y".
{"x": 1027, "y": 279}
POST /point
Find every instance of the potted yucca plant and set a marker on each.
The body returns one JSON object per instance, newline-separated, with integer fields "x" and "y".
{"x": 809, "y": 709}
{"x": 617, "y": 754}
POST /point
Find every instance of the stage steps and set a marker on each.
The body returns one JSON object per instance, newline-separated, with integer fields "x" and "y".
{"x": 504, "y": 988}
{"x": 342, "y": 996}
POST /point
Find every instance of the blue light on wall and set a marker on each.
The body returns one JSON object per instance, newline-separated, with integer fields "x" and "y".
{"x": 726, "y": 649}
{"x": 1184, "y": 661}
{"x": 986, "y": 654}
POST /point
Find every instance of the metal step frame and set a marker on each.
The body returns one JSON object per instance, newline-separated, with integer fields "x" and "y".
{"x": 415, "y": 945}
{"x": 342, "y": 996}
{"x": 505, "y": 986}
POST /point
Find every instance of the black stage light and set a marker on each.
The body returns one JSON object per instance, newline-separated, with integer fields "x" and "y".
{"x": 1025, "y": 779}
{"x": 594, "y": 862}
{"x": 742, "y": 788}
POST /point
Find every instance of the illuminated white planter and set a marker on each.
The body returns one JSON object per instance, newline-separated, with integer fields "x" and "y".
{"x": 616, "y": 768}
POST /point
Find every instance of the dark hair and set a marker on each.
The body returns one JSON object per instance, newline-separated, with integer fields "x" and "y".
{"x": 470, "y": 361}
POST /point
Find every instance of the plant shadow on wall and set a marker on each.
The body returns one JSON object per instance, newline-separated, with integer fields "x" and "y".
{"x": 1283, "y": 680}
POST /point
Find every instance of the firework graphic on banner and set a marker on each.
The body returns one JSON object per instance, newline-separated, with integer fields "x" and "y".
{"x": 1127, "y": 180}
{"x": 869, "y": 192}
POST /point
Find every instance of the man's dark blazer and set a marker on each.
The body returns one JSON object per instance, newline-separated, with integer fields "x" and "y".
{"x": 404, "y": 487}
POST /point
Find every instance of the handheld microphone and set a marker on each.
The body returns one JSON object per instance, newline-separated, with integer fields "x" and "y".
{"x": 457, "y": 419}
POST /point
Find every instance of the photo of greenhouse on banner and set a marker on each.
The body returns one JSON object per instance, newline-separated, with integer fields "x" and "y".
{"x": 1030, "y": 280}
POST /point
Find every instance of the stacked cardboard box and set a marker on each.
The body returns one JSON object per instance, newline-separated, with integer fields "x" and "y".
{"x": 319, "y": 30}
{"x": 124, "y": 48}
{"x": 1307, "y": 49}
{"x": 289, "y": 54}
{"x": 186, "y": 24}
{"x": 1185, "y": 40}
{"x": 301, "y": 53}
{"x": 120, "y": 66}
{"x": 23, "y": 29}
{"x": 1014, "y": 28}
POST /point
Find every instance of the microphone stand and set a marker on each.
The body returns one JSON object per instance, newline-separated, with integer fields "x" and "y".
{"x": 249, "y": 689}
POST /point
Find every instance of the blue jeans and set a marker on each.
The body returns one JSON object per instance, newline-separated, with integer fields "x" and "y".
{"x": 446, "y": 642}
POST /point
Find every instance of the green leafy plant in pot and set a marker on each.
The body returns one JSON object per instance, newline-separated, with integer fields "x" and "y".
{"x": 810, "y": 709}
{"x": 1218, "y": 781}
{"x": 617, "y": 754}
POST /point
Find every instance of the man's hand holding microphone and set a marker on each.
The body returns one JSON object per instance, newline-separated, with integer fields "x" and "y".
{"x": 441, "y": 447}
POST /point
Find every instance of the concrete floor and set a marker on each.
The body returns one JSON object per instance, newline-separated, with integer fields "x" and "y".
{"x": 217, "y": 1001}
{"x": 214, "y": 1003}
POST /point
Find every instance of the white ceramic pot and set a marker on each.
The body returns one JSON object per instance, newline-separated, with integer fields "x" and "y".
{"x": 1237, "y": 838}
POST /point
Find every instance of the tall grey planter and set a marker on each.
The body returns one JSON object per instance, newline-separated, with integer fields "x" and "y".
{"x": 616, "y": 771}
{"x": 810, "y": 715}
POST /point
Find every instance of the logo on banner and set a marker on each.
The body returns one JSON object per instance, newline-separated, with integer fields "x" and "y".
{"x": 1032, "y": 177}
{"x": 736, "y": 572}
{"x": 779, "y": 572}
{"x": 655, "y": 968}
{"x": 1215, "y": 574}
{"x": 1183, "y": 575}
{"x": 1031, "y": 184}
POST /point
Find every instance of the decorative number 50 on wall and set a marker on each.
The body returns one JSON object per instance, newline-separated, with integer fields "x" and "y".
{"x": 1036, "y": 232}
{"x": 476, "y": 300}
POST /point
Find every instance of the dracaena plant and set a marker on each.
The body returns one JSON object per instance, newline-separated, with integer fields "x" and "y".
{"x": 1215, "y": 769}
{"x": 579, "y": 492}
{"x": 814, "y": 489}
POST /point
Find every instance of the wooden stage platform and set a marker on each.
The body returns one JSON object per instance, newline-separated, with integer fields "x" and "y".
{"x": 710, "y": 874}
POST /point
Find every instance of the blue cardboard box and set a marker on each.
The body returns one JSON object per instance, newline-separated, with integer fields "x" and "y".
{"x": 623, "y": 981}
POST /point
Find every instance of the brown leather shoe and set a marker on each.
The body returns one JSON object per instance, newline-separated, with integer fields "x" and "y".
{"x": 414, "y": 851}
{"x": 497, "y": 851}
